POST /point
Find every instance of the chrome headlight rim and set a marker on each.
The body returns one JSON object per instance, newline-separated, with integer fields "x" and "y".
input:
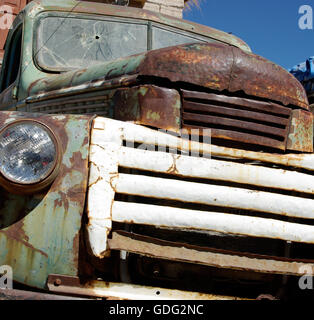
{"x": 37, "y": 185}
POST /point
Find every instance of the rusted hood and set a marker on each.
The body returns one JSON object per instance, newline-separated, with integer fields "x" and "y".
{"x": 223, "y": 67}
{"x": 211, "y": 65}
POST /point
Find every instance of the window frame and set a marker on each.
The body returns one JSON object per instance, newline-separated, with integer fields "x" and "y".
{"x": 7, "y": 66}
{"x": 150, "y": 25}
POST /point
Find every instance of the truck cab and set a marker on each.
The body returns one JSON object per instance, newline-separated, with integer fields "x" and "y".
{"x": 144, "y": 156}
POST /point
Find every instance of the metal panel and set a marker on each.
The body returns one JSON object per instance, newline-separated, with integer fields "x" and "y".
{"x": 29, "y": 295}
{"x": 39, "y": 234}
{"x": 267, "y": 108}
{"x": 149, "y": 105}
{"x": 301, "y": 131}
{"x": 177, "y": 251}
{"x": 216, "y": 170}
{"x": 240, "y": 119}
{"x": 191, "y": 192}
{"x": 72, "y": 285}
{"x": 163, "y": 216}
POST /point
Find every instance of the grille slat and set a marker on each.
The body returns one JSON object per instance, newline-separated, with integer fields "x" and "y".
{"x": 240, "y": 136}
{"x": 265, "y": 107}
{"x": 241, "y": 114}
{"x": 238, "y": 119}
{"x": 233, "y": 123}
{"x": 84, "y": 105}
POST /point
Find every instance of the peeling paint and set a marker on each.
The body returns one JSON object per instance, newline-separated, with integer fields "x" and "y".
{"x": 41, "y": 237}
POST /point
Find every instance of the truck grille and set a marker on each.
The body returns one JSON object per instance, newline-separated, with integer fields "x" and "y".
{"x": 238, "y": 119}
{"x": 249, "y": 204}
{"x": 98, "y": 103}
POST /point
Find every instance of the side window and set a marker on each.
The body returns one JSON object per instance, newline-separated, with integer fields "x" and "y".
{"x": 163, "y": 38}
{"x": 11, "y": 64}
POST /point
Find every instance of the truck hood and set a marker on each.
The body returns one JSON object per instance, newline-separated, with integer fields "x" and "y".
{"x": 210, "y": 65}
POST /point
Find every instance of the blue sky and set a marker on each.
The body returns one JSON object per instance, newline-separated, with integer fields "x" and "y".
{"x": 270, "y": 27}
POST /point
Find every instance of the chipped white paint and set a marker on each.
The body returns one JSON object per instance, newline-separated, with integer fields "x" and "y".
{"x": 103, "y": 167}
{"x": 210, "y": 221}
{"x": 216, "y": 170}
{"x": 148, "y": 136}
{"x": 37, "y": 7}
{"x": 221, "y": 196}
{"x": 107, "y": 154}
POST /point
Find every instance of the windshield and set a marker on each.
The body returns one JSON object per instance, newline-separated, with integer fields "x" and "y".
{"x": 66, "y": 43}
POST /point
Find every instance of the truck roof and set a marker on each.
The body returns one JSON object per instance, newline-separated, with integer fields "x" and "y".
{"x": 87, "y": 7}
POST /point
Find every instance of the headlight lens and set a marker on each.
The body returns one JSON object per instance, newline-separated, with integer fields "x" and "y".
{"x": 28, "y": 152}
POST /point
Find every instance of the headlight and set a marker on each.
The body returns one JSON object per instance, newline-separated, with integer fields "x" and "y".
{"x": 28, "y": 152}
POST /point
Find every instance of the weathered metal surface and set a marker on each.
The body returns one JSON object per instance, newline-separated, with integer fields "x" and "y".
{"x": 216, "y": 66}
{"x": 103, "y": 165}
{"x": 149, "y": 105}
{"x": 72, "y": 285}
{"x": 221, "y": 67}
{"x": 301, "y": 131}
{"x": 177, "y": 251}
{"x": 210, "y": 65}
{"x": 219, "y": 170}
{"x": 77, "y": 105}
{"x": 173, "y": 217}
{"x": 30, "y": 295}
{"x": 147, "y": 137}
{"x": 241, "y": 119}
{"x": 207, "y": 120}
{"x": 39, "y": 234}
{"x": 30, "y": 77}
{"x": 90, "y": 87}
{"x": 108, "y": 154}
{"x": 235, "y": 106}
{"x": 82, "y": 80}
{"x": 215, "y": 195}
{"x": 260, "y": 77}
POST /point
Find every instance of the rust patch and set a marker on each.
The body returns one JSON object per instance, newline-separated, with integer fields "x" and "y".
{"x": 153, "y": 247}
{"x": 301, "y": 131}
{"x": 222, "y": 67}
{"x": 238, "y": 119}
{"x": 62, "y": 202}
{"x": 57, "y": 199}
{"x": 149, "y": 105}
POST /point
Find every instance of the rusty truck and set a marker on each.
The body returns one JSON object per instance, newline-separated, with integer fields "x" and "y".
{"x": 148, "y": 157}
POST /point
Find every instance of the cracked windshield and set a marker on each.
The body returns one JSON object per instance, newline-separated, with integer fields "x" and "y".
{"x": 80, "y": 43}
{"x": 72, "y": 43}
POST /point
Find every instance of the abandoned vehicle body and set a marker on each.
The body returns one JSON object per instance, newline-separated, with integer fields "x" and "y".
{"x": 144, "y": 156}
